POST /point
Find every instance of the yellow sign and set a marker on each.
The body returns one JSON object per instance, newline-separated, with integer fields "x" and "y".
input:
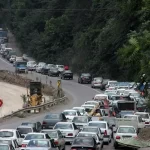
{"x": 58, "y": 83}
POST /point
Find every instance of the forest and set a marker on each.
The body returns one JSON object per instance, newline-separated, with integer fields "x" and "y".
{"x": 109, "y": 38}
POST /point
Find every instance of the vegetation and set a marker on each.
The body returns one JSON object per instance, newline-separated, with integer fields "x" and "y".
{"x": 105, "y": 37}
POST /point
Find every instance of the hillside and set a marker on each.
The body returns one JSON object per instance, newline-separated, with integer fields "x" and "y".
{"x": 105, "y": 37}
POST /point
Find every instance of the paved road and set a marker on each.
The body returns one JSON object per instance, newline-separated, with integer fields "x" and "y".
{"x": 77, "y": 93}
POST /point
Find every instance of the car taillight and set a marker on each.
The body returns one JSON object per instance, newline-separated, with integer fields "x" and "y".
{"x": 56, "y": 142}
{"x": 23, "y": 145}
{"x": 44, "y": 122}
{"x": 70, "y": 134}
{"x": 117, "y": 137}
{"x": 146, "y": 122}
{"x": 105, "y": 133}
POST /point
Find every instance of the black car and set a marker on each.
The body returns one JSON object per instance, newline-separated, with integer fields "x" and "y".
{"x": 85, "y": 78}
{"x": 51, "y": 119}
{"x": 53, "y": 72}
{"x": 88, "y": 143}
{"x": 66, "y": 74}
{"x": 36, "y": 126}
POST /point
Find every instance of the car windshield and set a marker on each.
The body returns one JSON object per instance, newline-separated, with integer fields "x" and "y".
{"x": 87, "y": 106}
{"x": 34, "y": 136}
{"x": 28, "y": 124}
{"x": 24, "y": 130}
{"x": 63, "y": 126}
{"x": 126, "y": 130}
{"x": 86, "y": 75}
{"x": 38, "y": 143}
{"x": 6, "y": 134}
{"x": 145, "y": 116}
{"x": 100, "y": 125}
{"x": 135, "y": 94}
{"x": 32, "y": 62}
{"x": 4, "y": 147}
{"x": 95, "y": 130}
{"x": 52, "y": 134}
{"x": 69, "y": 113}
{"x": 80, "y": 120}
{"x": 87, "y": 135}
{"x": 83, "y": 142}
{"x": 21, "y": 64}
{"x": 52, "y": 116}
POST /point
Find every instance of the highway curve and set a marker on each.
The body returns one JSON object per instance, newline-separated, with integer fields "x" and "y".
{"x": 77, "y": 94}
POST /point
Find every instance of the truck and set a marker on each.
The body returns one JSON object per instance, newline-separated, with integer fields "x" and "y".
{"x": 21, "y": 67}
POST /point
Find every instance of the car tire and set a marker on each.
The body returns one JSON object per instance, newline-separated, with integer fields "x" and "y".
{"x": 116, "y": 145}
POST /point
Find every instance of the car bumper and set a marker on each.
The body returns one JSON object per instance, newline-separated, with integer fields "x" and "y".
{"x": 106, "y": 138}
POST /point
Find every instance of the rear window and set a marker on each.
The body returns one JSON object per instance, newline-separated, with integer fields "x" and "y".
{"x": 80, "y": 120}
{"x": 126, "y": 130}
{"x": 52, "y": 134}
{"x": 87, "y": 135}
{"x": 52, "y": 116}
{"x": 83, "y": 142}
{"x": 28, "y": 124}
{"x": 34, "y": 136}
{"x": 24, "y": 130}
{"x": 145, "y": 116}
{"x": 86, "y": 74}
{"x": 131, "y": 117}
{"x": 100, "y": 125}
{"x": 69, "y": 113}
{"x": 6, "y": 134}
{"x": 4, "y": 147}
{"x": 95, "y": 130}
{"x": 38, "y": 143}
{"x": 63, "y": 126}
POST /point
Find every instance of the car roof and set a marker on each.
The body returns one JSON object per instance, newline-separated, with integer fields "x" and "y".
{"x": 90, "y": 127}
{"x": 141, "y": 113}
{"x": 92, "y": 101}
{"x": 78, "y": 108}
{"x": 35, "y": 133}
{"x": 123, "y": 126}
{"x": 49, "y": 130}
{"x": 23, "y": 126}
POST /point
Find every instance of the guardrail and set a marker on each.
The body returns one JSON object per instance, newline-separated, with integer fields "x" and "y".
{"x": 35, "y": 109}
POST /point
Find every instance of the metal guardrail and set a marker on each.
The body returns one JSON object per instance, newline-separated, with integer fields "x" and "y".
{"x": 38, "y": 108}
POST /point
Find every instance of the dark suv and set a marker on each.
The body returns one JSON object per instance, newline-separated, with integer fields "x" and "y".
{"x": 85, "y": 78}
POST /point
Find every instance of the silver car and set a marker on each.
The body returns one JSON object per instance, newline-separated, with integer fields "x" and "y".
{"x": 96, "y": 82}
{"x": 57, "y": 136}
{"x": 41, "y": 144}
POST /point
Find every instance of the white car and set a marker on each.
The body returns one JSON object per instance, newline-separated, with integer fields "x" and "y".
{"x": 120, "y": 91}
{"x": 103, "y": 125}
{"x": 81, "y": 110}
{"x": 145, "y": 116}
{"x": 40, "y": 66}
{"x": 100, "y": 97}
{"x": 31, "y": 65}
{"x": 33, "y": 135}
{"x": 96, "y": 82}
{"x": 60, "y": 68}
{"x": 124, "y": 132}
{"x": 110, "y": 91}
{"x": 11, "y": 134}
{"x": 71, "y": 113}
{"x": 68, "y": 129}
{"x": 11, "y": 141}
{"x": 57, "y": 136}
{"x": 99, "y": 141}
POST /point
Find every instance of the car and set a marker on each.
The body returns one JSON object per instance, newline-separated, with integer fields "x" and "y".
{"x": 41, "y": 144}
{"x": 11, "y": 134}
{"x": 34, "y": 135}
{"x": 68, "y": 129}
{"x": 60, "y": 68}
{"x": 46, "y": 69}
{"x": 96, "y": 82}
{"x": 111, "y": 83}
{"x": 81, "y": 121}
{"x": 57, "y": 136}
{"x": 99, "y": 141}
{"x": 145, "y": 116}
{"x": 91, "y": 103}
{"x": 93, "y": 129}
{"x": 36, "y": 125}
{"x": 40, "y": 66}
{"x": 87, "y": 143}
{"x": 85, "y": 78}
{"x": 125, "y": 112}
{"x": 124, "y": 132}
{"x": 23, "y": 130}
{"x": 105, "y": 129}
{"x": 6, "y": 146}
{"x": 11, "y": 142}
{"x": 71, "y": 113}
{"x": 81, "y": 110}
{"x": 53, "y": 72}
{"x": 104, "y": 83}
{"x": 12, "y": 58}
{"x": 31, "y": 65}
{"x": 51, "y": 119}
{"x": 66, "y": 74}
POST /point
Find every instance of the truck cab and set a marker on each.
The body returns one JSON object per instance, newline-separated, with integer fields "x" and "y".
{"x": 21, "y": 67}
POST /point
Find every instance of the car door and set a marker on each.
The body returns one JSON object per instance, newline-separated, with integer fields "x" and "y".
{"x": 19, "y": 139}
{"x": 61, "y": 139}
{"x": 16, "y": 145}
